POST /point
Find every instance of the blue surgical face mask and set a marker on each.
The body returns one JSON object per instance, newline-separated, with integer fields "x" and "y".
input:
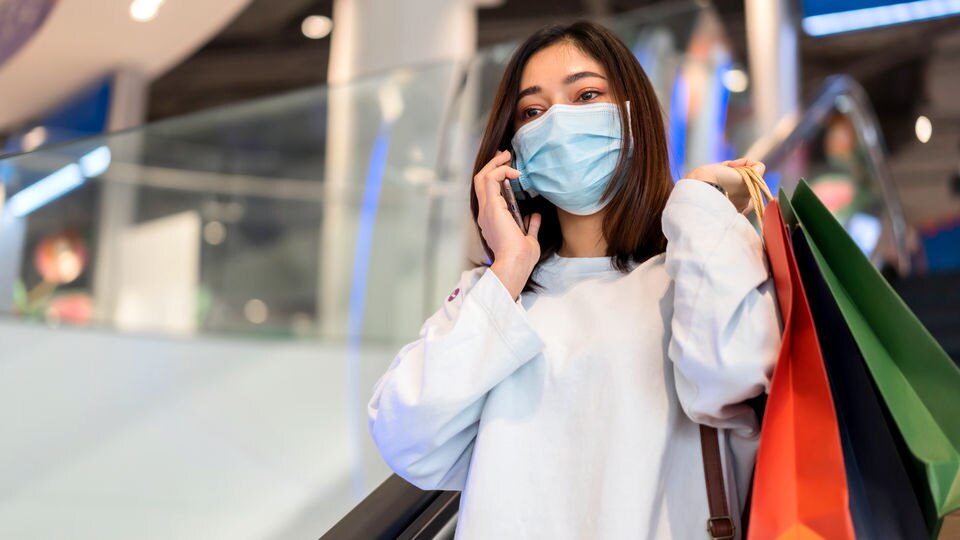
{"x": 568, "y": 155}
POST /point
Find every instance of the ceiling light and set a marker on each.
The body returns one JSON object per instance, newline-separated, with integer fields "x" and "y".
{"x": 46, "y": 190}
{"x": 391, "y": 101}
{"x": 60, "y": 182}
{"x": 735, "y": 80}
{"x": 256, "y": 311}
{"x": 34, "y": 138}
{"x": 144, "y": 10}
{"x": 317, "y": 26}
{"x": 95, "y": 162}
{"x": 923, "y": 128}
{"x": 214, "y": 233}
{"x": 838, "y": 22}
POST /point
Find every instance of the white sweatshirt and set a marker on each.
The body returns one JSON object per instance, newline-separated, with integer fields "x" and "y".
{"x": 570, "y": 413}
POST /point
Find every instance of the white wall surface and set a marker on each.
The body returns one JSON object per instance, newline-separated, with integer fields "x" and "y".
{"x": 121, "y": 436}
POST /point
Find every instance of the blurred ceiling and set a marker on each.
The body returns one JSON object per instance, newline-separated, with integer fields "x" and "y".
{"x": 19, "y": 20}
{"x": 256, "y": 48}
{"x": 906, "y": 70}
{"x": 262, "y": 51}
{"x": 80, "y": 41}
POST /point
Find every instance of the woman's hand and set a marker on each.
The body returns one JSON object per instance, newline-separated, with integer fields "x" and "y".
{"x": 514, "y": 253}
{"x": 729, "y": 179}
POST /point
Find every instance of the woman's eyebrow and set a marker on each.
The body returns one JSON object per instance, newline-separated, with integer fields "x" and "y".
{"x": 528, "y": 91}
{"x": 581, "y": 75}
{"x": 570, "y": 79}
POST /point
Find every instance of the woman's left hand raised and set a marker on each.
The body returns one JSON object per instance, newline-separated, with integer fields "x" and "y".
{"x": 724, "y": 173}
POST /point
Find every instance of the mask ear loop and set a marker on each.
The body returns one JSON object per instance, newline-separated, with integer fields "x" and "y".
{"x": 629, "y": 124}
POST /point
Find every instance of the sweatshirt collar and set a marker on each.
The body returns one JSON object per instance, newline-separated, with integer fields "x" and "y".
{"x": 578, "y": 265}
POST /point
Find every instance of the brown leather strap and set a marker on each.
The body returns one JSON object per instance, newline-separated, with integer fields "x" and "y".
{"x": 720, "y": 524}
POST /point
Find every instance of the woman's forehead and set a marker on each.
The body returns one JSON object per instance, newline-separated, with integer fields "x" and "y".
{"x": 553, "y": 64}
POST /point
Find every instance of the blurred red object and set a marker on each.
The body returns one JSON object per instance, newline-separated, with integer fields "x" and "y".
{"x": 73, "y": 308}
{"x": 836, "y": 191}
{"x": 61, "y": 257}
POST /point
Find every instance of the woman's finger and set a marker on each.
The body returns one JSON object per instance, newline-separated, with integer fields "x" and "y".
{"x": 499, "y": 159}
{"x": 533, "y": 225}
{"x": 490, "y": 164}
{"x": 494, "y": 180}
{"x": 739, "y": 162}
{"x": 479, "y": 179}
{"x": 478, "y": 189}
{"x": 492, "y": 188}
{"x": 757, "y": 166}
{"x": 498, "y": 174}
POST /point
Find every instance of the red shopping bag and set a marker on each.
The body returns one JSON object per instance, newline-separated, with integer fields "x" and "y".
{"x": 800, "y": 486}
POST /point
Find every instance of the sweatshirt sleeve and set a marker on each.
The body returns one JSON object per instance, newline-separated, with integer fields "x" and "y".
{"x": 425, "y": 410}
{"x": 726, "y": 325}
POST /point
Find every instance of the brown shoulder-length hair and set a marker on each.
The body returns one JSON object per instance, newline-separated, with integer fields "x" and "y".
{"x": 631, "y": 225}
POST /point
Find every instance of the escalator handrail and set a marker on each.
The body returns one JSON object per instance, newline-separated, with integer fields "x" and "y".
{"x": 435, "y": 522}
{"x": 387, "y": 513}
{"x": 774, "y": 148}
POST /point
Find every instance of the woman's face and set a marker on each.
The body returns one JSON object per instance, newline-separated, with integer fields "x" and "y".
{"x": 560, "y": 73}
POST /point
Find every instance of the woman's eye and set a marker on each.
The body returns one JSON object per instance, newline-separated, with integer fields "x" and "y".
{"x": 529, "y": 113}
{"x": 589, "y": 95}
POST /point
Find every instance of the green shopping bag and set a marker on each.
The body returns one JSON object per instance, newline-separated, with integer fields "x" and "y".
{"x": 918, "y": 382}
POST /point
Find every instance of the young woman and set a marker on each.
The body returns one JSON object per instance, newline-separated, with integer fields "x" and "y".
{"x": 560, "y": 387}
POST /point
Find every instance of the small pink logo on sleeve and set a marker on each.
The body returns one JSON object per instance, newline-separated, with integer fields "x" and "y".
{"x": 453, "y": 294}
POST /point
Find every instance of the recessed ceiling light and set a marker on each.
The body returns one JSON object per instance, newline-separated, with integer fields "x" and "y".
{"x": 144, "y": 10}
{"x": 923, "y": 128}
{"x": 34, "y": 138}
{"x": 214, "y": 233}
{"x": 256, "y": 311}
{"x": 316, "y": 26}
{"x": 735, "y": 80}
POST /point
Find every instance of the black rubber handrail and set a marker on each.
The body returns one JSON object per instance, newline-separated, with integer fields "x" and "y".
{"x": 387, "y": 513}
{"x": 438, "y": 521}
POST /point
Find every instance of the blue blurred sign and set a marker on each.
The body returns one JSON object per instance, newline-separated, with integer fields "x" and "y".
{"x": 826, "y": 17}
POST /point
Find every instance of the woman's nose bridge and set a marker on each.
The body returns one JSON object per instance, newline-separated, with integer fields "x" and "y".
{"x": 558, "y": 96}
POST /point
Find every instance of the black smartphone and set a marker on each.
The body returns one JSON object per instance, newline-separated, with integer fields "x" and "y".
{"x": 506, "y": 189}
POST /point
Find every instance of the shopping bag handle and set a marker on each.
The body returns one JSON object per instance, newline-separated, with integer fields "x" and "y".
{"x": 759, "y": 192}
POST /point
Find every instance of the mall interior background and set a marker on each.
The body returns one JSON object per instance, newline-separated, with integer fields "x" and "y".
{"x": 221, "y": 218}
